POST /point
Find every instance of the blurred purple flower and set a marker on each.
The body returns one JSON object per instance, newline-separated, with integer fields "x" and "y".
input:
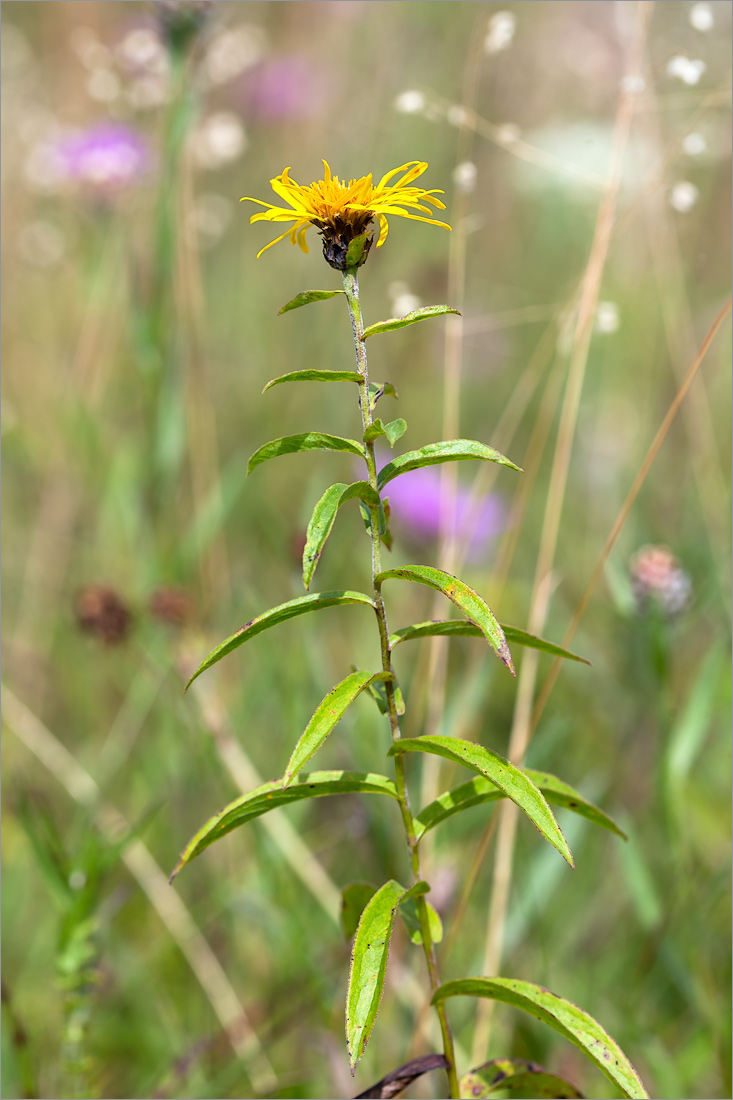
{"x": 107, "y": 157}
{"x": 286, "y": 87}
{"x": 415, "y": 501}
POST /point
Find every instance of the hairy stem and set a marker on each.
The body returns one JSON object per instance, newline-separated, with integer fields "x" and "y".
{"x": 351, "y": 289}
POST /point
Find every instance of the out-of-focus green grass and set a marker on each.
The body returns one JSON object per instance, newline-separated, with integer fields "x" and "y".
{"x": 108, "y": 480}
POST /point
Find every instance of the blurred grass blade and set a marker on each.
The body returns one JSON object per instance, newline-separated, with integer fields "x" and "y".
{"x": 565, "y": 1017}
{"x": 409, "y": 319}
{"x": 314, "y": 376}
{"x": 306, "y": 297}
{"x": 315, "y": 601}
{"x": 306, "y": 441}
{"x": 468, "y": 601}
{"x": 354, "y": 898}
{"x": 270, "y": 796}
{"x": 481, "y": 790}
{"x": 369, "y": 963}
{"x": 324, "y": 517}
{"x": 515, "y": 784}
{"x": 452, "y": 450}
{"x": 456, "y": 628}
{"x": 327, "y": 716}
{"x": 515, "y": 1075}
{"x": 393, "y": 431}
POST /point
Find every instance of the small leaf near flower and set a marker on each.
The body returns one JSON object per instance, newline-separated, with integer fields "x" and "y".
{"x": 409, "y": 319}
{"x": 306, "y": 297}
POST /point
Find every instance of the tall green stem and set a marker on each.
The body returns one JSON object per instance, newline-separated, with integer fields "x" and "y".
{"x": 351, "y": 289}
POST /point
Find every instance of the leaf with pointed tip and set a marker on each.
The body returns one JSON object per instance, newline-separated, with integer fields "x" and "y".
{"x": 451, "y": 450}
{"x": 469, "y": 602}
{"x": 369, "y": 963}
{"x": 314, "y": 376}
{"x": 409, "y": 319}
{"x": 308, "y": 296}
{"x": 455, "y": 628}
{"x": 392, "y": 431}
{"x": 271, "y": 796}
{"x": 379, "y": 389}
{"x": 327, "y": 716}
{"x": 306, "y": 441}
{"x": 515, "y": 1075}
{"x": 411, "y": 920}
{"x": 354, "y": 898}
{"x": 315, "y": 601}
{"x": 481, "y": 790}
{"x": 515, "y": 783}
{"x": 324, "y": 516}
{"x": 572, "y": 1022}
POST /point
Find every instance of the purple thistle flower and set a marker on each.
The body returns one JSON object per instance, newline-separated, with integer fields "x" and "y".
{"x": 107, "y": 157}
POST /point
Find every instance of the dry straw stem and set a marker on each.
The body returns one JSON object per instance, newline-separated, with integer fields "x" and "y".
{"x": 520, "y": 733}
{"x": 54, "y": 756}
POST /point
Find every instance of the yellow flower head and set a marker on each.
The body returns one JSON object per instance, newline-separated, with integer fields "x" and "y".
{"x": 342, "y": 211}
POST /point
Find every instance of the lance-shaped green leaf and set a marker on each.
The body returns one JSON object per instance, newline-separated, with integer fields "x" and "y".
{"x": 452, "y": 450}
{"x": 324, "y": 516}
{"x": 306, "y": 441}
{"x": 328, "y": 714}
{"x": 565, "y": 1017}
{"x": 316, "y": 601}
{"x": 515, "y": 1075}
{"x": 314, "y": 376}
{"x": 308, "y": 296}
{"x": 458, "y": 628}
{"x": 369, "y": 963}
{"x": 469, "y": 602}
{"x": 271, "y": 796}
{"x": 392, "y": 431}
{"x": 515, "y": 783}
{"x": 480, "y": 790}
{"x": 409, "y": 319}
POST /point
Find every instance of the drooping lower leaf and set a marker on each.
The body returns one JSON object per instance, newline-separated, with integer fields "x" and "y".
{"x": 392, "y": 1084}
{"x": 572, "y": 1022}
{"x": 276, "y": 615}
{"x": 481, "y": 790}
{"x": 515, "y": 1075}
{"x": 354, "y": 898}
{"x": 271, "y": 796}
{"x": 324, "y": 516}
{"x": 306, "y": 441}
{"x": 409, "y": 319}
{"x": 328, "y": 714}
{"x": 306, "y": 297}
{"x": 314, "y": 376}
{"x": 369, "y": 963}
{"x": 466, "y": 599}
{"x": 452, "y": 450}
{"x": 455, "y": 628}
{"x": 515, "y": 783}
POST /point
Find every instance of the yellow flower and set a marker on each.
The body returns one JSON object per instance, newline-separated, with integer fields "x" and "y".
{"x": 342, "y": 211}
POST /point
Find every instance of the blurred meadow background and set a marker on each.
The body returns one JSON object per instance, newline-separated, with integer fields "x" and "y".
{"x": 138, "y": 330}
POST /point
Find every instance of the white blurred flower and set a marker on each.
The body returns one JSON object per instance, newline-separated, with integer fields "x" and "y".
{"x": 694, "y": 144}
{"x": 464, "y": 176}
{"x": 403, "y": 301}
{"x": 142, "y": 49}
{"x": 103, "y": 85}
{"x": 91, "y": 52}
{"x": 508, "y": 133}
{"x": 41, "y": 243}
{"x": 686, "y": 69}
{"x": 209, "y": 219}
{"x": 502, "y": 26}
{"x": 457, "y": 115}
{"x": 633, "y": 82}
{"x": 219, "y": 140}
{"x": 230, "y": 52}
{"x": 683, "y": 196}
{"x": 658, "y": 578}
{"x": 607, "y": 317}
{"x": 148, "y": 91}
{"x": 701, "y": 17}
{"x": 410, "y": 102}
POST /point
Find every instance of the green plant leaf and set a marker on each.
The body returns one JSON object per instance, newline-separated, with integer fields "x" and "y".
{"x": 379, "y": 695}
{"x": 324, "y": 517}
{"x": 469, "y": 602}
{"x": 565, "y": 1017}
{"x": 314, "y": 376}
{"x": 480, "y": 790}
{"x": 271, "y": 796}
{"x": 308, "y": 296}
{"x": 379, "y": 389}
{"x": 315, "y": 601}
{"x": 369, "y": 963}
{"x": 354, "y": 898}
{"x": 515, "y": 1075}
{"x": 515, "y": 783}
{"x": 306, "y": 441}
{"x": 328, "y": 714}
{"x": 409, "y": 319}
{"x": 393, "y": 430}
{"x": 411, "y": 919}
{"x": 454, "y": 628}
{"x": 452, "y": 450}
